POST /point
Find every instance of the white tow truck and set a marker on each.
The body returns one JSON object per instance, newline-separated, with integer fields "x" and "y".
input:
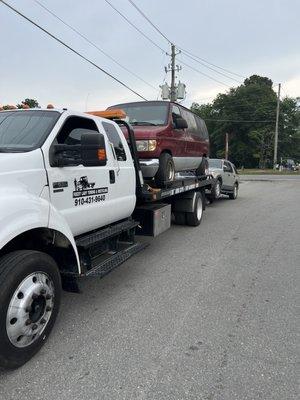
{"x": 72, "y": 199}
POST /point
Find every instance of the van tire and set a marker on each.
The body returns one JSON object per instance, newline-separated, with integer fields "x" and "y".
{"x": 166, "y": 170}
{"x": 201, "y": 170}
{"x": 16, "y": 269}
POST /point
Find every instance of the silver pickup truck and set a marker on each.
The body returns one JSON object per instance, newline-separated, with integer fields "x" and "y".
{"x": 227, "y": 178}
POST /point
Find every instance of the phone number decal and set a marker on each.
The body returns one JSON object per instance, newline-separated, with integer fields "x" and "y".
{"x": 89, "y": 200}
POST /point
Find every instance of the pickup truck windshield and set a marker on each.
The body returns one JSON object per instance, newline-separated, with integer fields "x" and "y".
{"x": 25, "y": 130}
{"x": 145, "y": 114}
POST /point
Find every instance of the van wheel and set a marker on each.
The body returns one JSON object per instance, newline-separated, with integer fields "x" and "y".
{"x": 194, "y": 218}
{"x": 30, "y": 291}
{"x": 166, "y": 170}
{"x": 201, "y": 170}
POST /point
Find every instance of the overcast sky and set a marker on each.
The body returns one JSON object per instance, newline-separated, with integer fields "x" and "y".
{"x": 247, "y": 37}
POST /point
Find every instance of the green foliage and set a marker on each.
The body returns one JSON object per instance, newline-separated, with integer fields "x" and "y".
{"x": 32, "y": 103}
{"x": 248, "y": 114}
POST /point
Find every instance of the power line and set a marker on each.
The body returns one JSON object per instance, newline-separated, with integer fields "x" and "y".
{"x": 134, "y": 26}
{"x": 150, "y": 22}
{"x": 232, "y": 120}
{"x": 203, "y": 73}
{"x": 189, "y": 54}
{"x": 91, "y": 43}
{"x": 208, "y": 62}
{"x": 71, "y": 49}
{"x": 212, "y": 69}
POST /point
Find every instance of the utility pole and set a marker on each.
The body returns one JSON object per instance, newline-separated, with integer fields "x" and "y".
{"x": 226, "y": 145}
{"x": 173, "y": 88}
{"x": 173, "y": 92}
{"x": 276, "y": 127}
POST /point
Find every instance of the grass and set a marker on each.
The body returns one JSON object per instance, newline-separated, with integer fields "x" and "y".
{"x": 266, "y": 172}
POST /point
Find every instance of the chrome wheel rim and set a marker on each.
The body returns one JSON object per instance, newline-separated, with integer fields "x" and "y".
{"x": 30, "y": 309}
{"x": 235, "y": 191}
{"x": 199, "y": 209}
{"x": 171, "y": 172}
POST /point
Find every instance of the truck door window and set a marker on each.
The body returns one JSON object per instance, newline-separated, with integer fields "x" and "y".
{"x": 73, "y": 128}
{"x": 115, "y": 139}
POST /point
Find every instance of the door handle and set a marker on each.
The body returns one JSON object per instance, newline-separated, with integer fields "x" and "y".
{"x": 112, "y": 176}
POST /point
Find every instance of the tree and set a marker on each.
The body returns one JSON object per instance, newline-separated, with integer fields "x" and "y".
{"x": 31, "y": 103}
{"x": 247, "y": 113}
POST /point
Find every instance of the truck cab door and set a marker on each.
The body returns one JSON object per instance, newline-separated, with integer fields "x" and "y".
{"x": 83, "y": 195}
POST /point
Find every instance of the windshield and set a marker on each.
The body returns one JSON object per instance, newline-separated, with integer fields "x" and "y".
{"x": 214, "y": 163}
{"x": 25, "y": 130}
{"x": 145, "y": 114}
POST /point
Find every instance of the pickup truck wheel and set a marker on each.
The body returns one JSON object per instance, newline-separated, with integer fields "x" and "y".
{"x": 194, "y": 218}
{"x": 166, "y": 170}
{"x": 30, "y": 291}
{"x": 234, "y": 194}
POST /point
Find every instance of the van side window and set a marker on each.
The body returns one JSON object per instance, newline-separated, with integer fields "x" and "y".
{"x": 190, "y": 119}
{"x": 114, "y": 138}
{"x": 202, "y": 128}
{"x": 73, "y": 128}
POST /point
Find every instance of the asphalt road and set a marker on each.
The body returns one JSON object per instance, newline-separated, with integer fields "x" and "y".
{"x": 203, "y": 313}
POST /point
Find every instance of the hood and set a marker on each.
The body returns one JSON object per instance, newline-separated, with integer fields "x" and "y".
{"x": 22, "y": 172}
{"x": 146, "y": 132}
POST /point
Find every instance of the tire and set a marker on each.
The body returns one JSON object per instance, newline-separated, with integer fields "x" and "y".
{"x": 180, "y": 218}
{"x": 30, "y": 292}
{"x": 234, "y": 195}
{"x": 194, "y": 218}
{"x": 201, "y": 170}
{"x": 166, "y": 170}
{"x": 216, "y": 190}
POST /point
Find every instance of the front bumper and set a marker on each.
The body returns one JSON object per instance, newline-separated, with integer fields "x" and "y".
{"x": 149, "y": 167}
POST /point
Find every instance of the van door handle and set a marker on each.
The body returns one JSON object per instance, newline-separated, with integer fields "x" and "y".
{"x": 112, "y": 176}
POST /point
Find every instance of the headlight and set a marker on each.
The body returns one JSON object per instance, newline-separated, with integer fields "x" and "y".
{"x": 152, "y": 145}
{"x": 146, "y": 145}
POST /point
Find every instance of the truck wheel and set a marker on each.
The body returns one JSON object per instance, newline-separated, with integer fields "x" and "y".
{"x": 194, "y": 218}
{"x": 234, "y": 195}
{"x": 30, "y": 291}
{"x": 201, "y": 170}
{"x": 180, "y": 218}
{"x": 166, "y": 170}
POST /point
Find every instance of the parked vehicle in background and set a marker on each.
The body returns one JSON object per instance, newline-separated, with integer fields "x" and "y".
{"x": 170, "y": 138}
{"x": 227, "y": 181}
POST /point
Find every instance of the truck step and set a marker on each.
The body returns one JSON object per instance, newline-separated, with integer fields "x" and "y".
{"x": 115, "y": 260}
{"x": 105, "y": 233}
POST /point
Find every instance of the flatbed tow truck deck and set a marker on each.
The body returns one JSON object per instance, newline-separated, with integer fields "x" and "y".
{"x": 185, "y": 197}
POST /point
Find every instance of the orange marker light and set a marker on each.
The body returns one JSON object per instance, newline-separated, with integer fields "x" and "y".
{"x": 101, "y": 154}
{"x": 50, "y": 106}
{"x": 109, "y": 114}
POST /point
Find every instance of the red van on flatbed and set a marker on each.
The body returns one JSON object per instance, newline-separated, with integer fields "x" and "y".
{"x": 170, "y": 138}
